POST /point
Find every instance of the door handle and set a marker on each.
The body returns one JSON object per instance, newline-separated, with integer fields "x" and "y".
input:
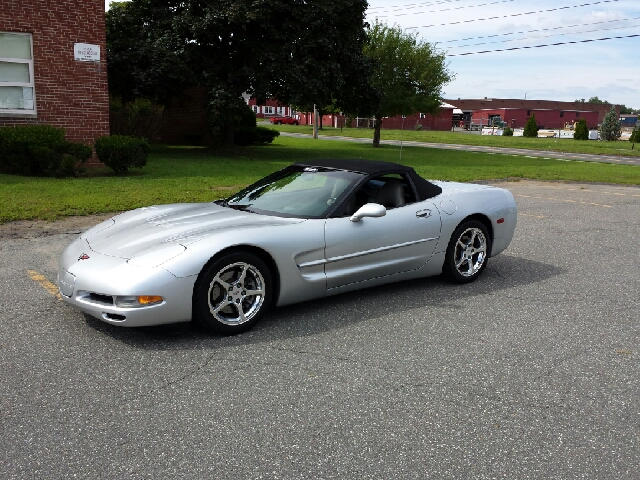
{"x": 423, "y": 213}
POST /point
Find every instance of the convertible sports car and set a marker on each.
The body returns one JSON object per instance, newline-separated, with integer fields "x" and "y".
{"x": 307, "y": 231}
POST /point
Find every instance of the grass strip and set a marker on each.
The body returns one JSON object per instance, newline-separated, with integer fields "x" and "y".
{"x": 566, "y": 145}
{"x": 192, "y": 174}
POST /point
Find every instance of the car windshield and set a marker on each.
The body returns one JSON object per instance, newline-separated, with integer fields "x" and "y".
{"x": 296, "y": 192}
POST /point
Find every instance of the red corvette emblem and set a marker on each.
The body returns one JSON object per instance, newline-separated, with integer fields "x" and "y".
{"x": 84, "y": 256}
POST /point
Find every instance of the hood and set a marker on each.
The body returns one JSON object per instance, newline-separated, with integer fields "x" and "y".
{"x": 137, "y": 231}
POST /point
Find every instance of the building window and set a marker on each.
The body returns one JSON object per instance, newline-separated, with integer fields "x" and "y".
{"x": 562, "y": 114}
{"x": 577, "y": 114}
{"x": 528, "y": 112}
{"x": 280, "y": 110}
{"x": 255, "y": 108}
{"x": 17, "y": 96}
{"x": 422, "y": 115}
{"x": 268, "y": 110}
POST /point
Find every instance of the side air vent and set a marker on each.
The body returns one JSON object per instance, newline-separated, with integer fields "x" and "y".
{"x": 99, "y": 298}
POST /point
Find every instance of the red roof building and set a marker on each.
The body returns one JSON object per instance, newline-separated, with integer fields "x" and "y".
{"x": 518, "y": 117}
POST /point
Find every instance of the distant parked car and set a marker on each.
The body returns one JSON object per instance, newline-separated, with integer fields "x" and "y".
{"x": 285, "y": 120}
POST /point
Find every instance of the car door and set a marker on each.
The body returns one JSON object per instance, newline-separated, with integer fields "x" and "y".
{"x": 403, "y": 240}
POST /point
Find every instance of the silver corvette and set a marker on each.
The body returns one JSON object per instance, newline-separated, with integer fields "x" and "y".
{"x": 307, "y": 231}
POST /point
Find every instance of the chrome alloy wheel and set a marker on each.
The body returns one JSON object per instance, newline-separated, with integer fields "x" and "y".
{"x": 236, "y": 293}
{"x": 470, "y": 252}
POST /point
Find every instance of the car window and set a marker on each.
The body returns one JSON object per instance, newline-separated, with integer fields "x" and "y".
{"x": 370, "y": 192}
{"x": 303, "y": 193}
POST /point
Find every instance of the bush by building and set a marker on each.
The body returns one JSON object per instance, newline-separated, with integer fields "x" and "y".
{"x": 40, "y": 150}
{"x": 531, "y": 127}
{"x": 246, "y": 132}
{"x": 611, "y": 129}
{"x": 254, "y": 136}
{"x": 507, "y": 132}
{"x": 581, "y": 131}
{"x": 120, "y": 153}
{"x": 141, "y": 118}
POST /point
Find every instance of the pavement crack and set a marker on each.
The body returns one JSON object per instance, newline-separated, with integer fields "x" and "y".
{"x": 187, "y": 374}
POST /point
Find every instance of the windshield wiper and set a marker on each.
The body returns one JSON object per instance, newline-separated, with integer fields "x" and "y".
{"x": 235, "y": 206}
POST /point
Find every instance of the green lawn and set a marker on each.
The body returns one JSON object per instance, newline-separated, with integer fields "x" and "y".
{"x": 191, "y": 174}
{"x": 620, "y": 148}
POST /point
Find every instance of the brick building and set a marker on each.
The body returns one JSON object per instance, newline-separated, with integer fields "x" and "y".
{"x": 53, "y": 67}
{"x": 518, "y": 117}
{"x": 472, "y": 105}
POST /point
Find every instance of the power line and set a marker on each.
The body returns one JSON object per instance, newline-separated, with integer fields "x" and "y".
{"x": 540, "y": 30}
{"x": 513, "y": 15}
{"x": 417, "y": 5}
{"x": 445, "y": 9}
{"x": 546, "y": 36}
{"x": 541, "y": 46}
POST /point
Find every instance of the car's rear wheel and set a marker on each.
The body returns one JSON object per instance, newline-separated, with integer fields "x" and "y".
{"x": 233, "y": 293}
{"x": 468, "y": 252}
{"x": 296, "y": 123}
{"x": 278, "y": 122}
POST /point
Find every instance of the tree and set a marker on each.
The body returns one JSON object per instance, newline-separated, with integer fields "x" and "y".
{"x": 581, "y": 131}
{"x": 598, "y": 101}
{"x": 531, "y": 127}
{"x": 408, "y": 75}
{"x": 299, "y": 52}
{"x": 146, "y": 52}
{"x": 635, "y": 137}
{"x": 628, "y": 110}
{"x": 611, "y": 129}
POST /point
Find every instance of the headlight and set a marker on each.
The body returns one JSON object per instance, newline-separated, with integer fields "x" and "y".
{"x": 132, "y": 301}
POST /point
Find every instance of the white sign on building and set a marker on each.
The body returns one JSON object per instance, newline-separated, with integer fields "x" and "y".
{"x": 84, "y": 52}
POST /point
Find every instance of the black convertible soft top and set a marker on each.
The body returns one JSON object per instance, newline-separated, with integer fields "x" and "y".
{"x": 425, "y": 188}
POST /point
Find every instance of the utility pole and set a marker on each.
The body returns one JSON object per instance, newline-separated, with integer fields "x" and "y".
{"x": 315, "y": 122}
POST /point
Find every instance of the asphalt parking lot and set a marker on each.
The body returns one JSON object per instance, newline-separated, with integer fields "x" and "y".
{"x": 530, "y": 372}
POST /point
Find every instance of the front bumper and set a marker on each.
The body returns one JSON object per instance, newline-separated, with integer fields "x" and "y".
{"x": 91, "y": 285}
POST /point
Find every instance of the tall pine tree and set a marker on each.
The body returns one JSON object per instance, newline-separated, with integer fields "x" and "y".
{"x": 581, "y": 131}
{"x": 611, "y": 129}
{"x": 531, "y": 128}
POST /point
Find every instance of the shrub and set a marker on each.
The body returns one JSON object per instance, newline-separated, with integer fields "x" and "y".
{"x": 40, "y": 150}
{"x": 611, "y": 129}
{"x": 531, "y": 127}
{"x": 635, "y": 137}
{"x": 254, "y": 136}
{"x": 121, "y": 153}
{"x": 581, "y": 131}
{"x": 507, "y": 132}
{"x": 140, "y": 118}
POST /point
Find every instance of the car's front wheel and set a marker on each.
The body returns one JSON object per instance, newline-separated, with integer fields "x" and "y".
{"x": 296, "y": 123}
{"x": 232, "y": 293}
{"x": 468, "y": 252}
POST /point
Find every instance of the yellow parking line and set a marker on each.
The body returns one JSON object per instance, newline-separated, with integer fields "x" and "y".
{"x": 44, "y": 283}
{"x": 565, "y": 200}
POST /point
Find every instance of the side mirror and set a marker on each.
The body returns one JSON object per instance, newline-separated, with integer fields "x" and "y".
{"x": 369, "y": 210}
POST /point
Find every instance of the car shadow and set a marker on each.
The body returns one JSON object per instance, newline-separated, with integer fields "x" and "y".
{"x": 331, "y": 313}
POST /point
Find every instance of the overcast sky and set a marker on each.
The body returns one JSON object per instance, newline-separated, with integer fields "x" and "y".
{"x": 607, "y": 69}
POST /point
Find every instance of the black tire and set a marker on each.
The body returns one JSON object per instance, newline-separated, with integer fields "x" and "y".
{"x": 468, "y": 252}
{"x": 220, "y": 300}
{"x": 278, "y": 122}
{"x": 296, "y": 123}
